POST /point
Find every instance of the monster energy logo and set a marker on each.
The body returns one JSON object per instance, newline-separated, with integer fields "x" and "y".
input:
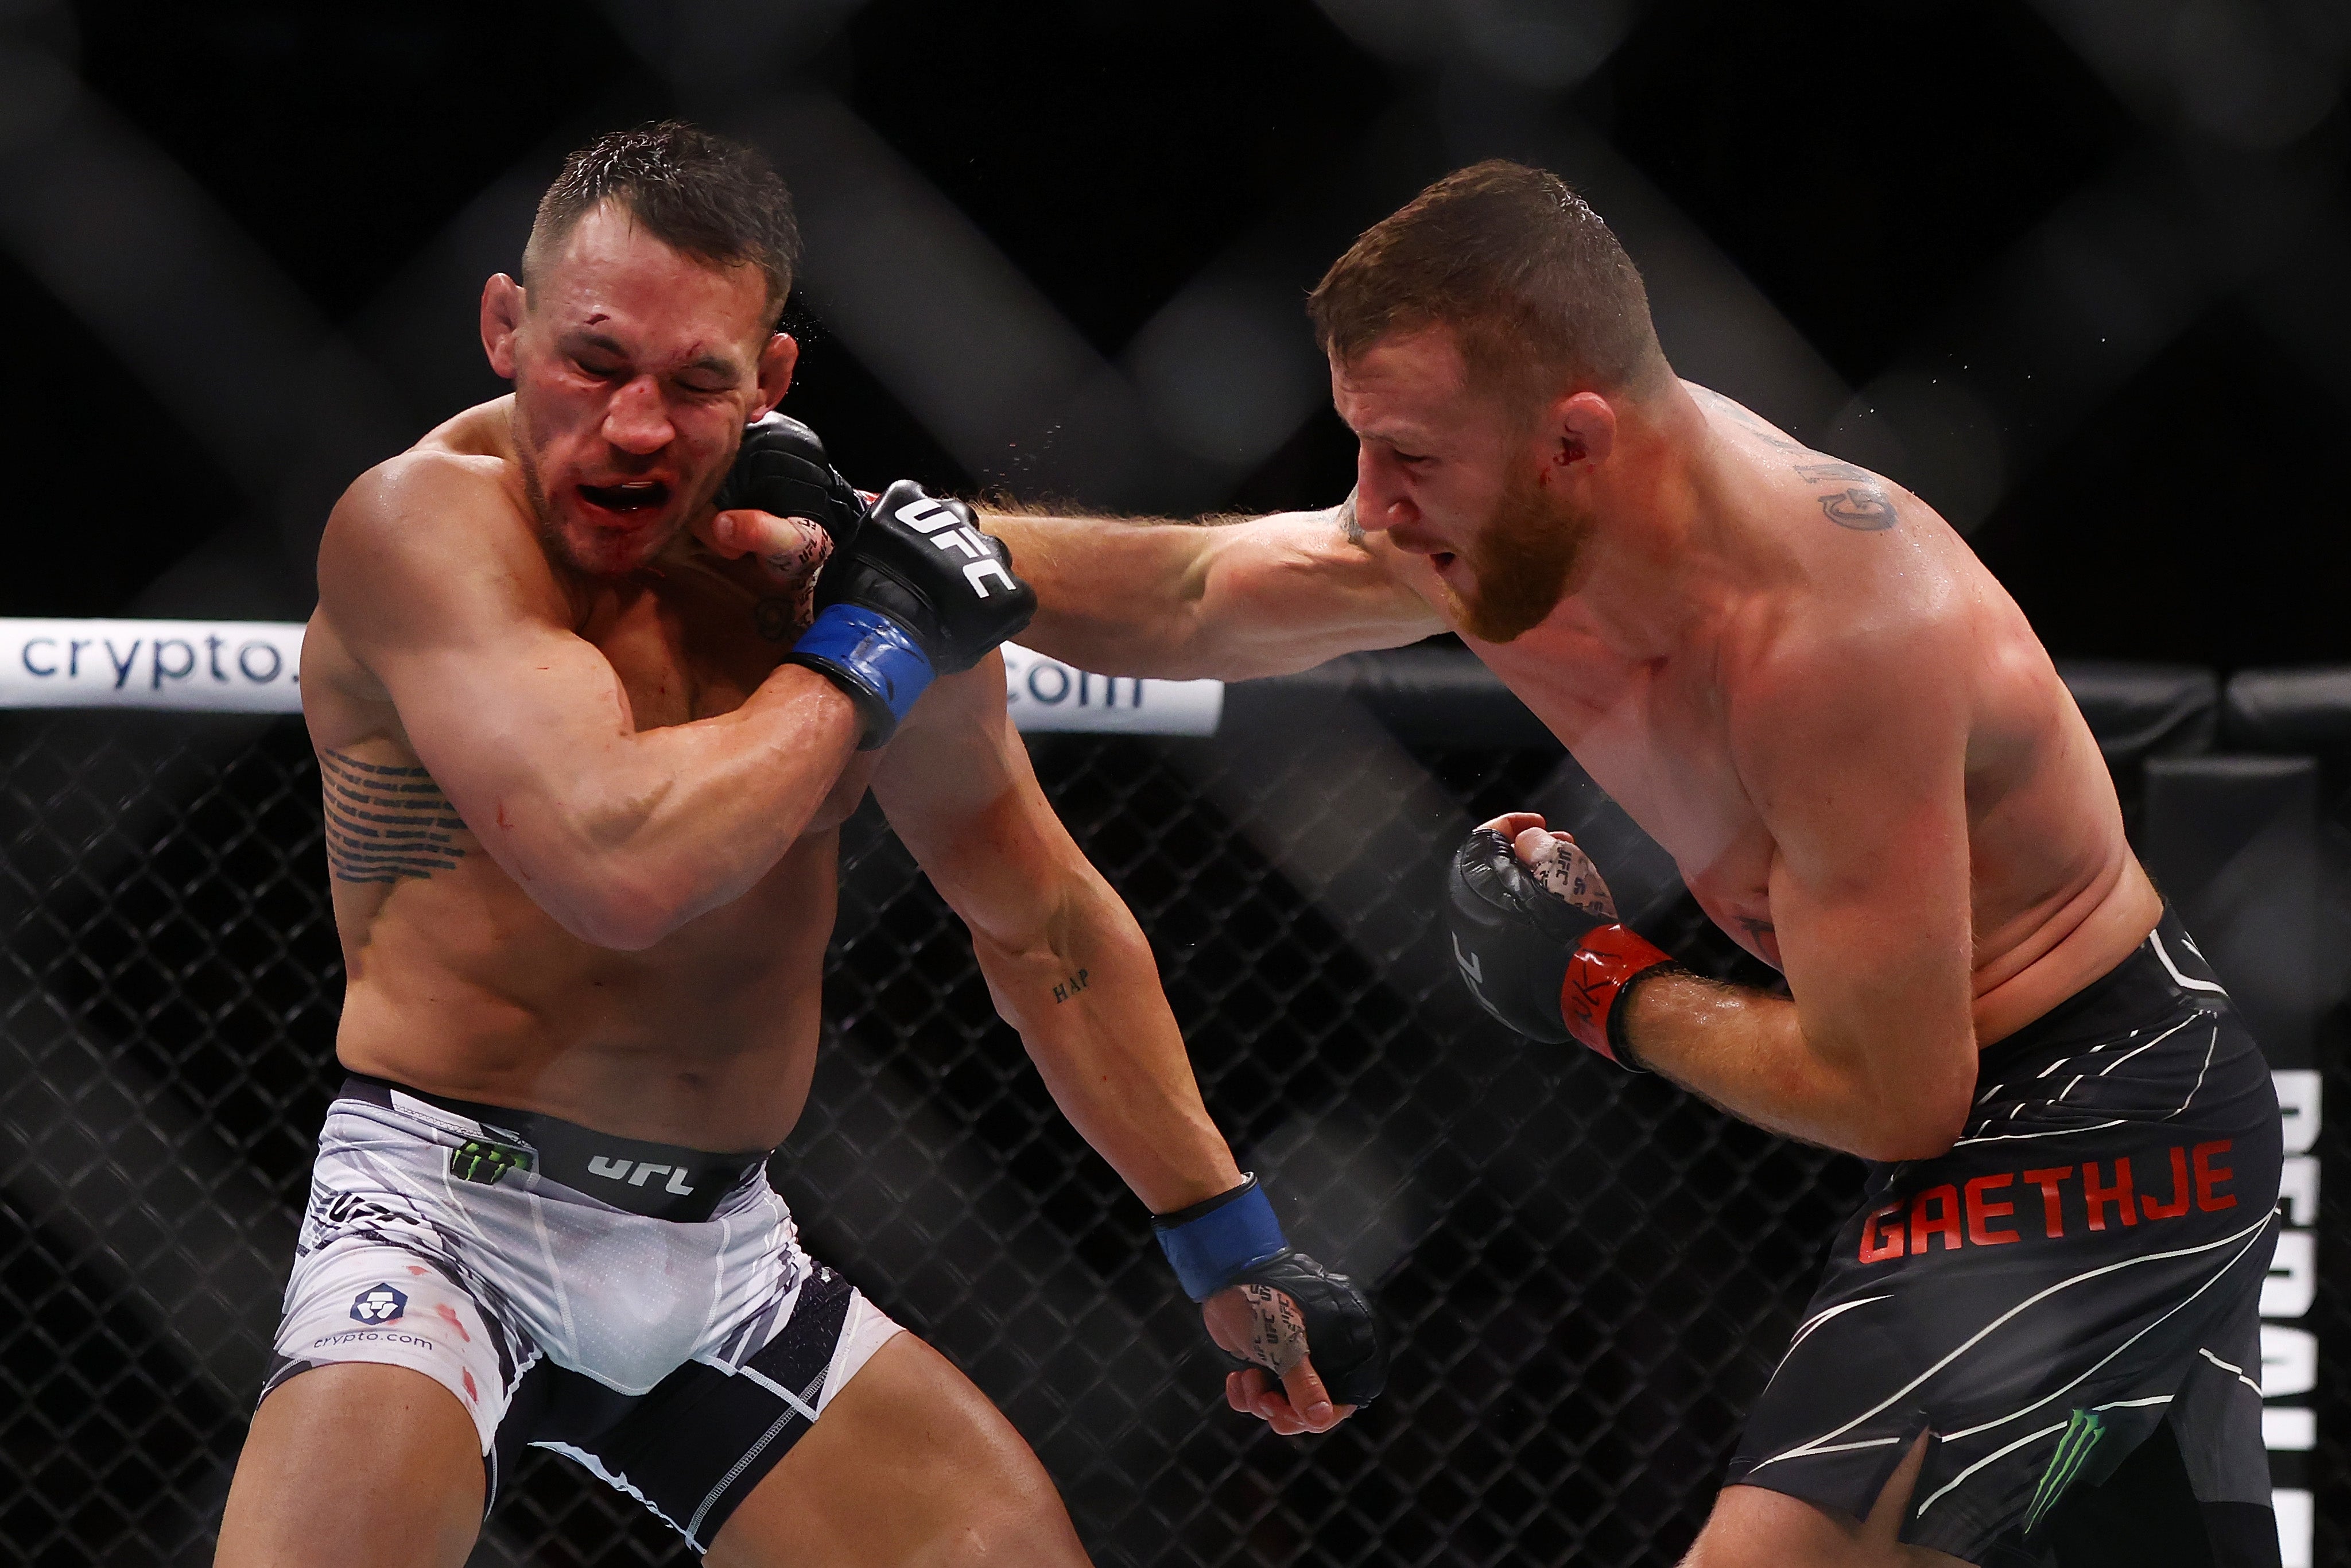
{"x": 2083, "y": 1431}
{"x": 477, "y": 1159}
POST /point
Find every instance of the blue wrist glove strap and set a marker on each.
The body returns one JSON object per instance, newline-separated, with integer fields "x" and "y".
{"x": 874, "y": 651}
{"x": 1210, "y": 1243}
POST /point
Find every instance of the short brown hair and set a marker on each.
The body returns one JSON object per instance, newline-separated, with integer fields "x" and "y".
{"x": 712, "y": 199}
{"x": 1530, "y": 280}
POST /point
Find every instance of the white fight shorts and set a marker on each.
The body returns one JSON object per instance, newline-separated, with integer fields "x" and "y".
{"x": 642, "y": 1308}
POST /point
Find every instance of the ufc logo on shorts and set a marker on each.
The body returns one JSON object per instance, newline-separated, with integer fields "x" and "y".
{"x": 618, "y": 1170}
{"x": 944, "y": 527}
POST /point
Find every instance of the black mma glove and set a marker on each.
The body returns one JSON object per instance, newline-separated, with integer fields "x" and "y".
{"x": 1234, "y": 1239}
{"x": 1551, "y": 963}
{"x": 918, "y": 590}
{"x": 781, "y": 470}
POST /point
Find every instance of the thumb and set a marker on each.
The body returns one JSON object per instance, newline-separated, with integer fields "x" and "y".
{"x": 724, "y": 533}
{"x": 1535, "y": 846}
{"x": 1309, "y": 1398}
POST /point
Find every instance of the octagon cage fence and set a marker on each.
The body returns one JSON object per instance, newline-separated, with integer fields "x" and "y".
{"x": 1585, "y": 1275}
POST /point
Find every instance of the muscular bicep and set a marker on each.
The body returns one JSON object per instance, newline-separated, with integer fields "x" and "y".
{"x": 1859, "y": 775}
{"x": 462, "y": 626}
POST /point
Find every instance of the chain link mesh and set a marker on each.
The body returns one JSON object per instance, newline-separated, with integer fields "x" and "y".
{"x": 1587, "y": 1275}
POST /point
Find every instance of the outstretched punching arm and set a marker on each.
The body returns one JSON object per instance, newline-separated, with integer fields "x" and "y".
{"x": 1230, "y": 599}
{"x": 1068, "y": 967}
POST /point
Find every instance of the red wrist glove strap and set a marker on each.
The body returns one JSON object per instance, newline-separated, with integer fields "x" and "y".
{"x": 1603, "y": 965}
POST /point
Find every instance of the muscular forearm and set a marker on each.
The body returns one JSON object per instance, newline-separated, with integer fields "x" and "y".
{"x": 1087, "y": 1002}
{"x": 1116, "y": 596}
{"x": 1746, "y": 1050}
{"x": 1230, "y": 600}
{"x": 667, "y": 823}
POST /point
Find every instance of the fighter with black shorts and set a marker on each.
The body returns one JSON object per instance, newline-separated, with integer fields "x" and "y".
{"x": 1800, "y": 681}
{"x": 2083, "y": 1264}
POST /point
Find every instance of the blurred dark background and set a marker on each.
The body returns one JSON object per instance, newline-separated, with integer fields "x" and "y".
{"x": 2073, "y": 270}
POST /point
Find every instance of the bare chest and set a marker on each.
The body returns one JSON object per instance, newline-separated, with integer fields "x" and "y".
{"x": 696, "y": 646}
{"x": 1654, "y": 737}
{"x": 687, "y": 647}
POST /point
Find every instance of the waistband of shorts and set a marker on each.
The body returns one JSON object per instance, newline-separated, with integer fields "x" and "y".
{"x": 661, "y": 1181}
{"x": 2162, "y": 975}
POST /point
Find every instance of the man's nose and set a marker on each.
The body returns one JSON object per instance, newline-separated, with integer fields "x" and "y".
{"x": 635, "y": 421}
{"x": 1380, "y": 498}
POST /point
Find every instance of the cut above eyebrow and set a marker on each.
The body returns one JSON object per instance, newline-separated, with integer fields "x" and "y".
{"x": 711, "y": 364}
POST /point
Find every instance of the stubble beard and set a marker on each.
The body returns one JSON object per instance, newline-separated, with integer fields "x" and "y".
{"x": 623, "y": 557}
{"x": 1518, "y": 565}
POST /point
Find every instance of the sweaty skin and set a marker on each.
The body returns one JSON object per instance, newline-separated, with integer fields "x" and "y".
{"x": 582, "y": 826}
{"x": 1792, "y": 673}
{"x": 538, "y": 953}
{"x": 458, "y": 980}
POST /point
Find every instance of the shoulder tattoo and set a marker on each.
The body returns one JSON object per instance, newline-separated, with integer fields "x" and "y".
{"x": 1864, "y": 509}
{"x": 386, "y": 824}
{"x": 1859, "y": 500}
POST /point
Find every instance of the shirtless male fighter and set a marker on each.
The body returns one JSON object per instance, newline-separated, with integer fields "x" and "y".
{"x": 585, "y": 758}
{"x": 1801, "y": 681}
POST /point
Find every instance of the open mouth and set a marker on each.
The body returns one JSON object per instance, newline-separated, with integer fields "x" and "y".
{"x": 631, "y": 497}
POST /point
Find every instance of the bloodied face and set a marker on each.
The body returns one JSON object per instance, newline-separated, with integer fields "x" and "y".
{"x": 635, "y": 368}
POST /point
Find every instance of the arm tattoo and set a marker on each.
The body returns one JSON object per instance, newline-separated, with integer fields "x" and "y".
{"x": 1070, "y": 988}
{"x": 384, "y": 824}
{"x": 1758, "y": 927}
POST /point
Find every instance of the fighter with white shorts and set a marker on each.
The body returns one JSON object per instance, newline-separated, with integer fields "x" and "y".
{"x": 598, "y": 671}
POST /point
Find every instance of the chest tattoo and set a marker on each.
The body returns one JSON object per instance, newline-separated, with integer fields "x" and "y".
{"x": 384, "y": 824}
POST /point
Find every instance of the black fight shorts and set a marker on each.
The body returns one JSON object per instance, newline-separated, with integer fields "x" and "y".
{"x": 2084, "y": 1265}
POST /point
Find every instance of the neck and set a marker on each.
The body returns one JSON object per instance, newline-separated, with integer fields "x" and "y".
{"x": 1651, "y": 568}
